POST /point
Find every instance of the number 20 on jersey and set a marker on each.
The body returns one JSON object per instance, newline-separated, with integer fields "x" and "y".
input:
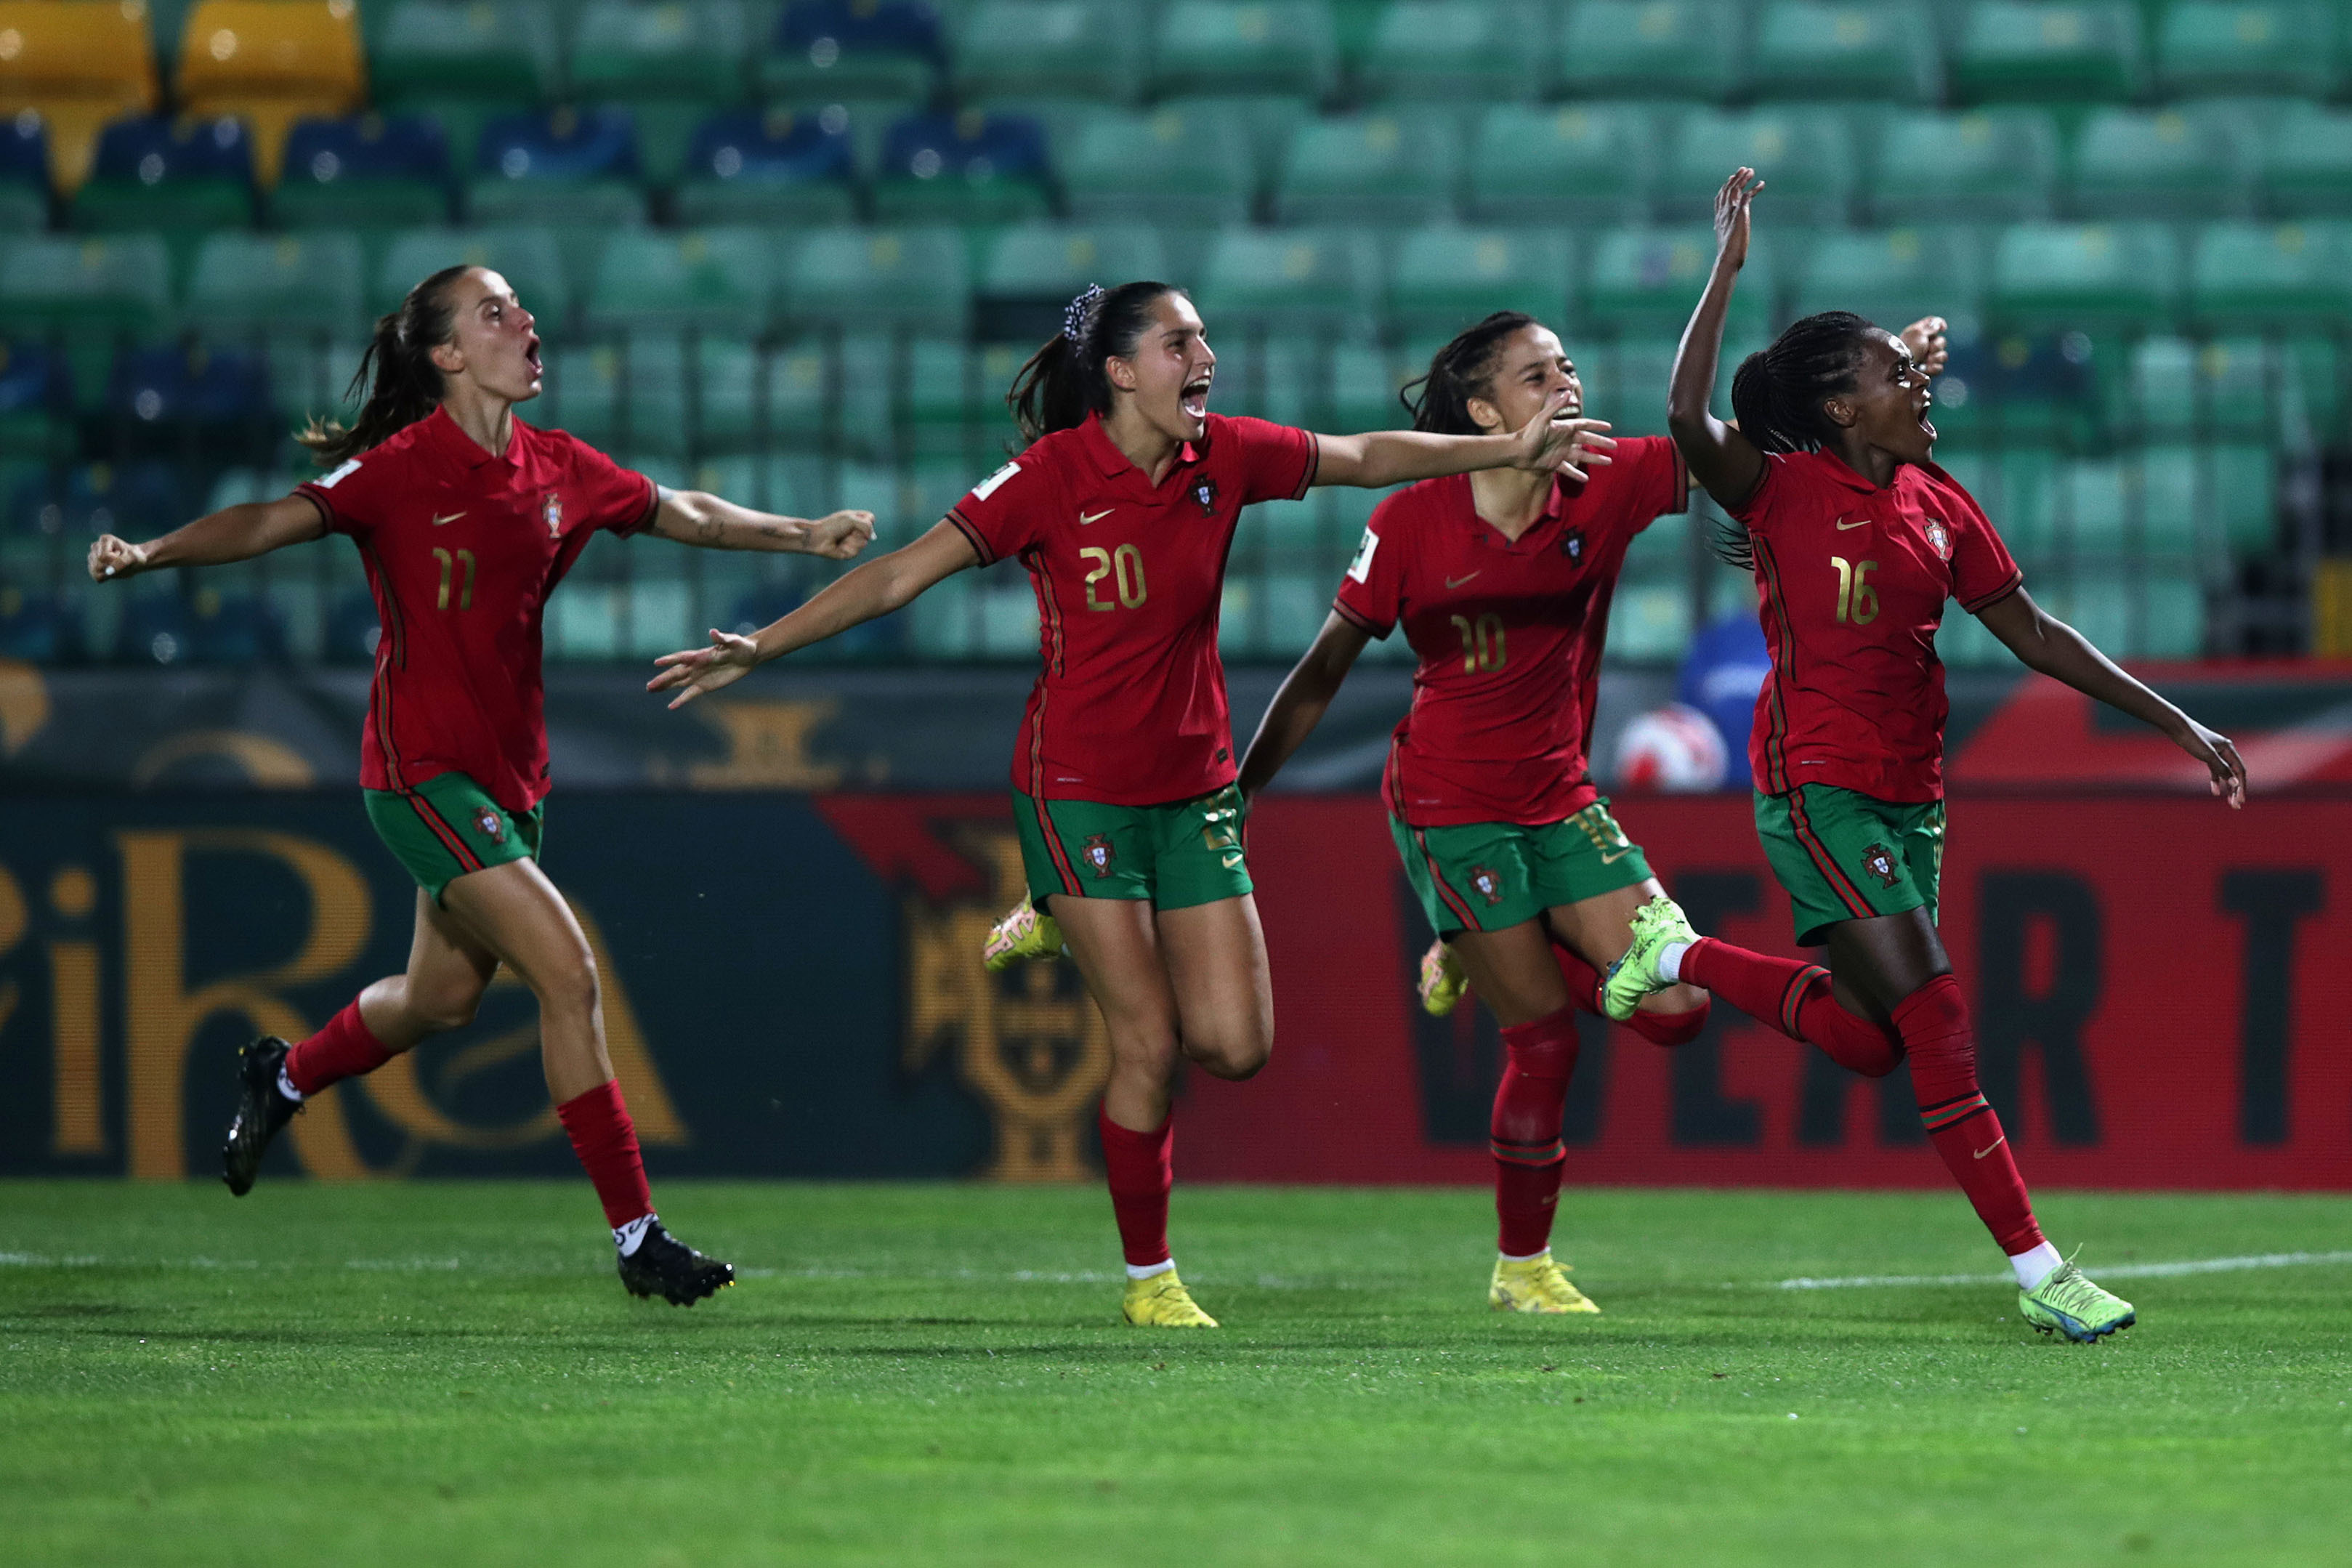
{"x": 1123, "y": 567}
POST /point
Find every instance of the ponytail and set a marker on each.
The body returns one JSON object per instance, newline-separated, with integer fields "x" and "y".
{"x": 1064, "y": 380}
{"x": 403, "y": 383}
{"x": 1776, "y": 395}
{"x": 1462, "y": 370}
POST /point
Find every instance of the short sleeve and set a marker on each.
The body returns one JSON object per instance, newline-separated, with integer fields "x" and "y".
{"x": 1276, "y": 462}
{"x": 1983, "y": 571}
{"x": 1371, "y": 596}
{"x": 350, "y": 495}
{"x": 1783, "y": 482}
{"x": 620, "y": 500}
{"x": 1001, "y": 515}
{"x": 1660, "y": 481}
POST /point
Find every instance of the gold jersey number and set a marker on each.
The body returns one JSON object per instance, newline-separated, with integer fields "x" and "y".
{"x": 461, "y": 564}
{"x": 1857, "y": 602}
{"x": 1482, "y": 642}
{"x": 1123, "y": 567}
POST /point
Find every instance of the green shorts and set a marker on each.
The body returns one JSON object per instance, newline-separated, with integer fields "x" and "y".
{"x": 1843, "y": 856}
{"x": 449, "y": 826}
{"x": 1485, "y": 876}
{"x": 1184, "y": 853}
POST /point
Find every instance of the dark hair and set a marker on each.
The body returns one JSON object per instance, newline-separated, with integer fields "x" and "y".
{"x": 1462, "y": 370}
{"x": 1777, "y": 397}
{"x": 1064, "y": 380}
{"x": 403, "y": 383}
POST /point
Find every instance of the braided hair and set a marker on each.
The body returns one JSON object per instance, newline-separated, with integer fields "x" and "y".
{"x": 403, "y": 383}
{"x": 1462, "y": 370}
{"x": 1776, "y": 395}
{"x": 1065, "y": 381}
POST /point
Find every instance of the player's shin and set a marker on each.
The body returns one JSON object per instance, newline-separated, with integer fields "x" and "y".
{"x": 1526, "y": 1128}
{"x": 1966, "y": 1132}
{"x": 1140, "y": 1169}
{"x": 605, "y": 1139}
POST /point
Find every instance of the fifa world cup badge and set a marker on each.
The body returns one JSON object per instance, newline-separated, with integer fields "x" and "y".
{"x": 1939, "y": 539}
{"x": 1205, "y": 493}
{"x": 1489, "y": 886}
{"x": 491, "y": 826}
{"x": 552, "y": 509}
{"x": 1097, "y": 853}
{"x": 1879, "y": 861}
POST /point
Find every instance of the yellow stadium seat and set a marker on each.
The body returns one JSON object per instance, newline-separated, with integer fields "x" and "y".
{"x": 272, "y": 62}
{"x": 77, "y": 64}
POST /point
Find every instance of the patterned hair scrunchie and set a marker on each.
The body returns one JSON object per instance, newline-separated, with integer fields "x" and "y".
{"x": 1079, "y": 317}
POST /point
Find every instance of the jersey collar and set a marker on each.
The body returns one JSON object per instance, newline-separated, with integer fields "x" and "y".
{"x": 1555, "y": 507}
{"x": 1835, "y": 468}
{"x": 1107, "y": 460}
{"x": 442, "y": 431}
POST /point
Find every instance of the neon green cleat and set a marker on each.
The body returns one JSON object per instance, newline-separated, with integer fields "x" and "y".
{"x": 1535, "y": 1285}
{"x": 1443, "y": 985}
{"x": 2067, "y": 1302}
{"x": 1022, "y": 933}
{"x": 1162, "y": 1303}
{"x": 1635, "y": 975}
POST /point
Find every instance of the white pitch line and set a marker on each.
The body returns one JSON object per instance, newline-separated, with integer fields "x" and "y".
{"x": 2120, "y": 1272}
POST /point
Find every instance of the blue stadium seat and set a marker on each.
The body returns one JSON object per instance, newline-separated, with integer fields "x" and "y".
{"x": 563, "y": 167}
{"x": 968, "y": 167}
{"x": 825, "y": 50}
{"x": 24, "y": 174}
{"x": 169, "y": 400}
{"x": 180, "y": 178}
{"x": 36, "y": 625}
{"x": 368, "y": 172}
{"x": 778, "y": 167}
{"x": 136, "y": 500}
{"x": 36, "y": 397}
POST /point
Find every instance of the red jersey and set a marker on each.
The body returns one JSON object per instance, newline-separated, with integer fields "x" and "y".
{"x": 1130, "y": 709}
{"x": 1853, "y": 580}
{"x": 462, "y": 549}
{"x": 1509, "y": 635}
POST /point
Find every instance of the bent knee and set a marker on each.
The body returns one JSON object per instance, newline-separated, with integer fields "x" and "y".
{"x": 571, "y": 986}
{"x": 1232, "y": 1059}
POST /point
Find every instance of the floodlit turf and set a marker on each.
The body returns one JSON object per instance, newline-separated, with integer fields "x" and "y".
{"x": 450, "y": 1375}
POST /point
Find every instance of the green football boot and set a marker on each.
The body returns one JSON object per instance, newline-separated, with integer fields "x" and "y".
{"x": 1635, "y": 975}
{"x": 2068, "y": 1303}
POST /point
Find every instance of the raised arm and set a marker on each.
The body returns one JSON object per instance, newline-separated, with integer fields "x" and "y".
{"x": 1720, "y": 458}
{"x": 883, "y": 584}
{"x": 1306, "y": 691}
{"x": 233, "y": 533}
{"x": 1386, "y": 458}
{"x": 2048, "y": 644}
{"x": 714, "y": 522}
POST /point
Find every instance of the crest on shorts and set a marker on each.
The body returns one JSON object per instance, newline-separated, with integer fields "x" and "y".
{"x": 1488, "y": 885}
{"x": 1879, "y": 861}
{"x": 491, "y": 826}
{"x": 1205, "y": 493}
{"x": 552, "y": 509}
{"x": 1097, "y": 853}
{"x": 1572, "y": 545}
{"x": 1939, "y": 539}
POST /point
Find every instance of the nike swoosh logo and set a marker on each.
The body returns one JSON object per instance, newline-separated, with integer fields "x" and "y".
{"x": 1616, "y": 855}
{"x": 1086, "y": 518}
{"x": 1858, "y": 522}
{"x": 1993, "y": 1145}
{"x": 451, "y": 518}
{"x": 1458, "y": 581}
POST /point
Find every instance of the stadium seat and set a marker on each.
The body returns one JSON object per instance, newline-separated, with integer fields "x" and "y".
{"x": 2248, "y": 46}
{"x": 2278, "y": 277}
{"x": 35, "y": 625}
{"x": 1268, "y": 122}
{"x": 2307, "y": 162}
{"x": 1292, "y": 284}
{"x": 269, "y": 63}
{"x": 773, "y": 167}
{"x": 1445, "y": 278}
{"x": 1029, "y": 274}
{"x": 528, "y": 257}
{"x": 1064, "y": 48}
{"x": 2173, "y": 388}
{"x": 2231, "y": 484}
{"x": 2017, "y": 389}
{"x": 827, "y": 50}
{"x": 2091, "y": 277}
{"x": 2168, "y": 164}
{"x": 80, "y": 66}
{"x": 968, "y": 167}
{"x": 1894, "y": 275}
{"x": 1454, "y": 51}
{"x": 2011, "y": 49}
{"x": 1221, "y": 46}
{"x": 1648, "y": 280}
{"x": 1625, "y": 380}
{"x": 654, "y": 392}
{"x": 500, "y": 52}
{"x": 1273, "y": 615}
{"x": 1386, "y": 166}
{"x": 366, "y": 171}
{"x": 1652, "y": 48}
{"x": 1578, "y": 162}
{"x": 180, "y": 178}
{"x": 24, "y": 174}
{"x": 1806, "y": 155}
{"x": 251, "y": 287}
{"x": 955, "y": 406}
{"x": 1170, "y": 165}
{"x": 689, "y": 49}
{"x": 99, "y": 287}
{"x": 1363, "y": 383}
{"x": 36, "y": 398}
{"x": 1984, "y": 166}
{"x": 714, "y": 279}
{"x": 1267, "y": 370}
{"x": 1809, "y": 49}
{"x": 564, "y": 167}
{"x": 169, "y": 401}
{"x": 914, "y": 280}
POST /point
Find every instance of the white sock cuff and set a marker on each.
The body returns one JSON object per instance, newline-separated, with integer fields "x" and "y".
{"x": 630, "y": 1236}
{"x": 1151, "y": 1270}
{"x": 286, "y": 1085}
{"x": 2033, "y": 1265}
{"x": 1530, "y": 1258}
{"x": 1670, "y": 960}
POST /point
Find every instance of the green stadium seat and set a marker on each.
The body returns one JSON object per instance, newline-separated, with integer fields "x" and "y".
{"x": 2168, "y": 164}
{"x": 1454, "y": 51}
{"x": 1806, "y": 156}
{"x": 955, "y": 403}
{"x": 2010, "y": 51}
{"x": 1068, "y": 48}
{"x": 500, "y": 52}
{"x": 2243, "y": 46}
{"x": 1222, "y": 46}
{"x": 2229, "y": 491}
{"x": 91, "y": 287}
{"x": 2307, "y": 162}
{"x": 258, "y": 286}
{"x": 1268, "y": 122}
{"x": 914, "y": 280}
{"x": 715, "y": 280}
{"x": 1172, "y": 165}
{"x": 495, "y": 201}
{"x": 1286, "y": 533}
{"x": 1984, "y": 166}
{"x": 1818, "y": 48}
{"x": 531, "y": 260}
{"x": 689, "y": 50}
{"x": 1625, "y": 382}
{"x": 1649, "y": 623}
{"x": 2274, "y": 276}
{"x": 1578, "y": 162}
{"x": 1295, "y": 283}
{"x": 2103, "y": 511}
{"x": 1028, "y": 274}
{"x": 1268, "y": 373}
{"x": 1648, "y": 280}
{"x": 1386, "y": 166}
{"x": 1272, "y": 615}
{"x": 2089, "y": 276}
{"x": 1364, "y": 381}
{"x": 313, "y": 379}
{"x": 1651, "y": 48}
{"x": 2134, "y": 611}
{"x": 823, "y": 393}
{"x": 1447, "y": 278}
{"x": 1896, "y": 276}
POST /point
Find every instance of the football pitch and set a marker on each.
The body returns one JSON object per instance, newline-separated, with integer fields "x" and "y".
{"x": 449, "y": 1373}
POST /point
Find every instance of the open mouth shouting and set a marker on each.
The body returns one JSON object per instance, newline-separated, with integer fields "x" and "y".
{"x": 1194, "y": 398}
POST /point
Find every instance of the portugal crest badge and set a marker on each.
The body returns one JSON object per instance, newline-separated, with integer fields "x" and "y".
{"x": 1939, "y": 539}
{"x": 1097, "y": 853}
{"x": 1488, "y": 885}
{"x": 491, "y": 826}
{"x": 1572, "y": 545}
{"x": 1205, "y": 493}
{"x": 552, "y": 509}
{"x": 1879, "y": 861}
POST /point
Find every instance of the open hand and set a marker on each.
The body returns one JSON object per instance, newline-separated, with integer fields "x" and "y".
{"x": 2220, "y": 759}
{"x": 113, "y": 557}
{"x": 1551, "y": 444}
{"x": 1731, "y": 215}
{"x": 695, "y": 670}
{"x": 841, "y": 535}
{"x": 1930, "y": 349}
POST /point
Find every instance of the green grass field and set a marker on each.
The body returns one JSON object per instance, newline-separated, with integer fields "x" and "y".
{"x": 449, "y": 1373}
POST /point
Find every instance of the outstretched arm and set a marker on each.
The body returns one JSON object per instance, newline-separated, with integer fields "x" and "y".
{"x": 1720, "y": 458}
{"x": 1300, "y": 706}
{"x": 233, "y": 533}
{"x": 714, "y": 522}
{"x": 1399, "y": 456}
{"x": 2056, "y": 649}
{"x": 883, "y": 584}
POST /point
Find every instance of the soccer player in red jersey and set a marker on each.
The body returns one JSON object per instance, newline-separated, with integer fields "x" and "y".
{"x": 1122, "y": 509}
{"x": 1857, "y": 539}
{"x": 466, "y": 518}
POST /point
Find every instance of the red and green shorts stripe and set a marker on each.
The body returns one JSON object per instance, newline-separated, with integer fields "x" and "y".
{"x": 1845, "y": 856}
{"x": 449, "y": 826}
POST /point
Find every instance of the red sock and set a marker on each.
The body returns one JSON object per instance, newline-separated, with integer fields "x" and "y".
{"x": 1669, "y": 1030}
{"x": 1140, "y": 1169}
{"x": 1528, "y": 1154}
{"x": 1943, "y": 1049}
{"x": 1584, "y": 980}
{"x": 607, "y": 1141}
{"x": 1793, "y": 998}
{"x": 344, "y": 1048}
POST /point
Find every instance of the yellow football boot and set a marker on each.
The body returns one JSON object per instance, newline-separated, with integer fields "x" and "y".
{"x": 1024, "y": 933}
{"x": 1535, "y": 1285}
{"x": 1443, "y": 985}
{"x": 1162, "y": 1303}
